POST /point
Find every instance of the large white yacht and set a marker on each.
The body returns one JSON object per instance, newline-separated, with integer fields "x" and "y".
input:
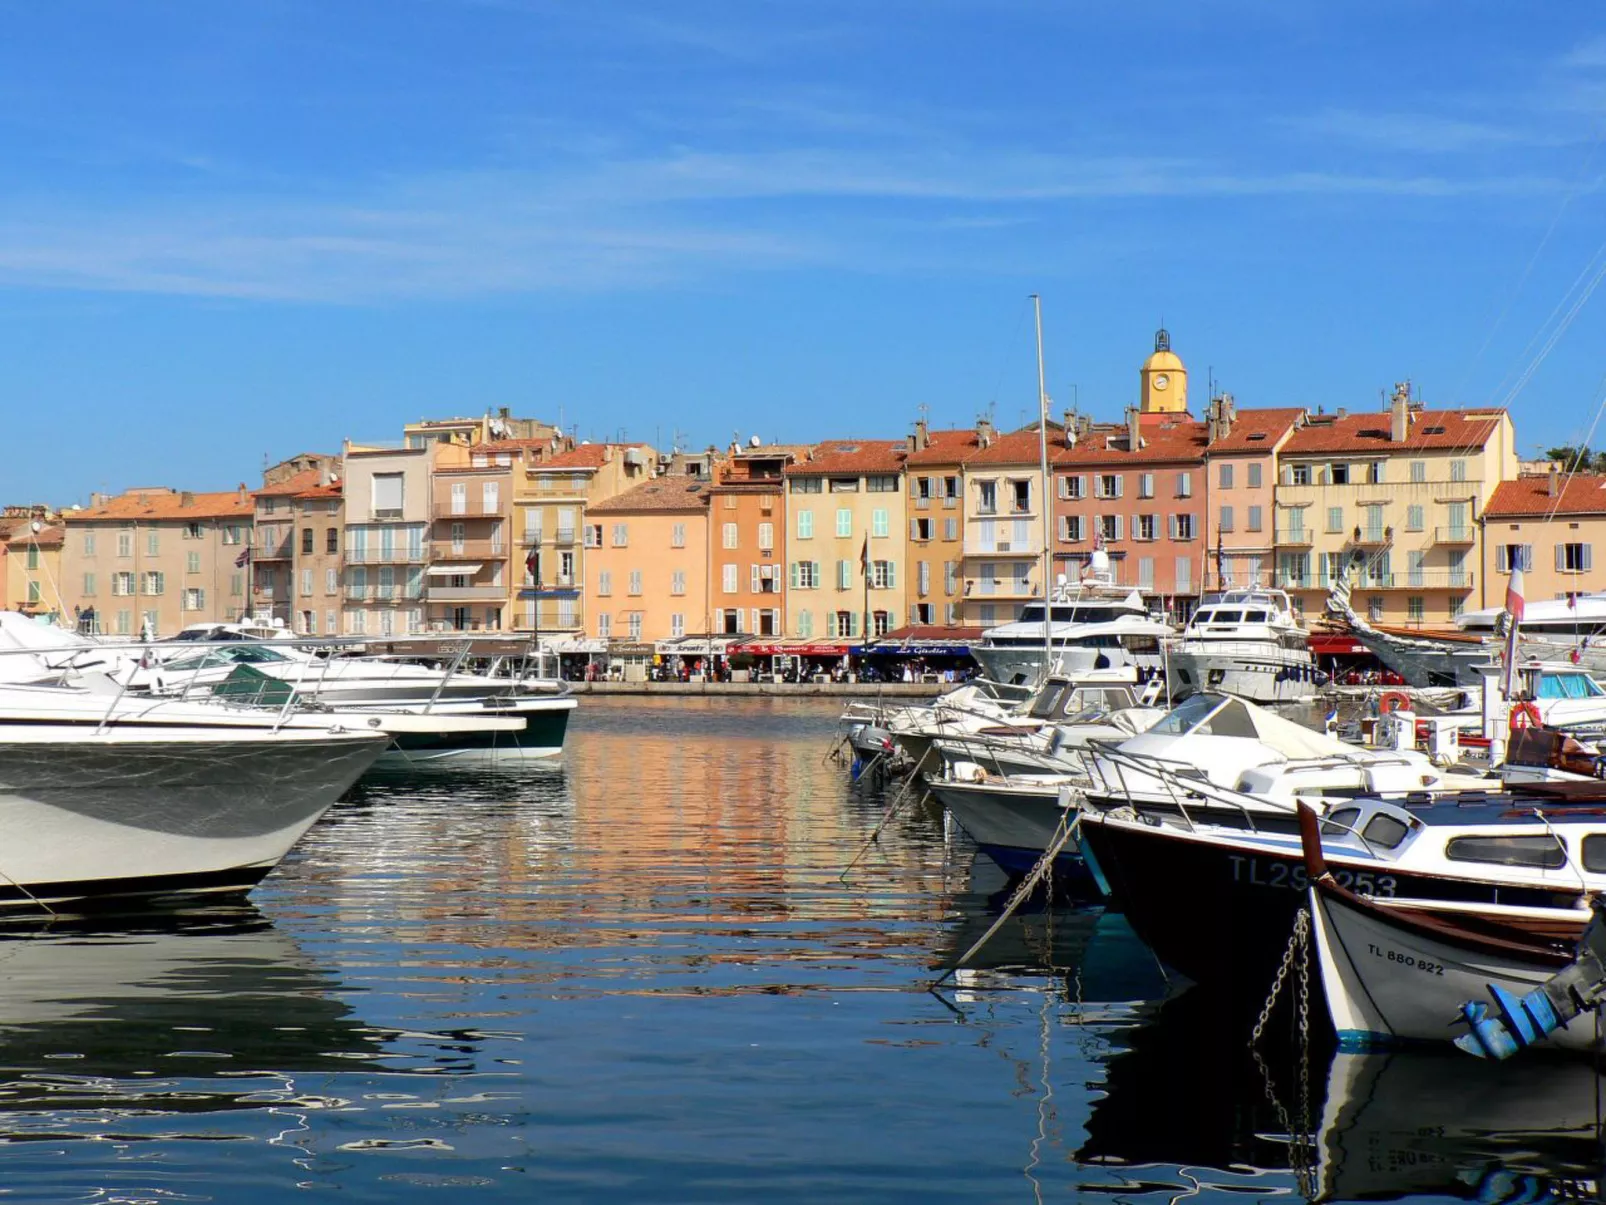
{"x": 1552, "y": 629}
{"x": 1247, "y": 643}
{"x": 1091, "y": 623}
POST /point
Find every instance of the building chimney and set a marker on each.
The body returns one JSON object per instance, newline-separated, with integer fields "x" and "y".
{"x": 922, "y": 436}
{"x": 186, "y": 498}
{"x": 244, "y": 494}
{"x": 1134, "y": 441}
{"x": 984, "y": 433}
{"x": 324, "y": 474}
{"x": 1400, "y": 413}
{"x": 1553, "y": 487}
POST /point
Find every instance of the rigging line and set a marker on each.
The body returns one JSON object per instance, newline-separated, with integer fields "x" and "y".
{"x": 1522, "y": 280}
{"x": 1556, "y": 335}
{"x": 1582, "y": 450}
{"x": 1583, "y": 274}
{"x": 1596, "y": 265}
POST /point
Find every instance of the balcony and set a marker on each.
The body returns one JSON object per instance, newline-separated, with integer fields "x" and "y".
{"x": 1292, "y": 537}
{"x": 280, "y": 551}
{"x": 384, "y": 556}
{"x": 481, "y": 593}
{"x": 1464, "y": 534}
{"x": 443, "y": 510}
{"x": 397, "y": 593}
{"x": 1371, "y": 537}
{"x": 1015, "y": 548}
{"x": 986, "y": 589}
{"x": 1298, "y": 581}
{"x": 468, "y": 550}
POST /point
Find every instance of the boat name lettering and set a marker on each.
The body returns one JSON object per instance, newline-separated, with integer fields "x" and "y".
{"x": 1424, "y": 965}
{"x": 1290, "y": 876}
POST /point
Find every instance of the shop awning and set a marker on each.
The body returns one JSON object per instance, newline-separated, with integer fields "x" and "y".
{"x": 466, "y": 569}
{"x": 900, "y": 648}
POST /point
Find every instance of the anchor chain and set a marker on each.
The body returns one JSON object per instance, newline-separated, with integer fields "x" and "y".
{"x": 1296, "y": 957}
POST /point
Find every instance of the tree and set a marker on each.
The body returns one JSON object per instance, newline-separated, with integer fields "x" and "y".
{"x": 1579, "y": 458}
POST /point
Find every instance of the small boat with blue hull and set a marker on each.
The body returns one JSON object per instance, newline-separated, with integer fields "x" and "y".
{"x": 1017, "y": 824}
{"x": 497, "y": 729}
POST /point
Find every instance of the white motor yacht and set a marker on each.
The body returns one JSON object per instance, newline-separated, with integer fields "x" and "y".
{"x": 1247, "y": 643}
{"x": 1553, "y": 629}
{"x": 105, "y": 798}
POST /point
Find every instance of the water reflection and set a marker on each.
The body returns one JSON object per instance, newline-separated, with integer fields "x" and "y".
{"x": 1188, "y": 1109}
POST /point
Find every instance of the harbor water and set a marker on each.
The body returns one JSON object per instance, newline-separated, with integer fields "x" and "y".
{"x": 638, "y": 974}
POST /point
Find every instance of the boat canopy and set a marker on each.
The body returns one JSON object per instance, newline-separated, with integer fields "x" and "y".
{"x": 1227, "y": 715}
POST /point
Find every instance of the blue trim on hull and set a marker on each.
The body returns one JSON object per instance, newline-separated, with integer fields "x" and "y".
{"x": 1068, "y": 867}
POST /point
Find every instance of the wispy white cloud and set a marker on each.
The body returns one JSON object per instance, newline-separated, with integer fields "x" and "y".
{"x": 1419, "y": 133}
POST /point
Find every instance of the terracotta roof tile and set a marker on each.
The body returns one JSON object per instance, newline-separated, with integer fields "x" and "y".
{"x": 661, "y": 494}
{"x": 856, "y": 456}
{"x": 1169, "y": 441}
{"x": 169, "y": 505}
{"x": 290, "y": 486}
{"x": 333, "y": 490}
{"x": 47, "y": 537}
{"x": 1530, "y": 497}
{"x": 945, "y": 448}
{"x": 1268, "y": 424}
{"x": 1431, "y": 430}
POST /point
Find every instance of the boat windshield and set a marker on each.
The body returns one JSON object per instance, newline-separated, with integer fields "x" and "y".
{"x": 1200, "y": 714}
{"x": 1568, "y": 686}
{"x": 247, "y": 654}
{"x": 1079, "y": 613}
{"x": 1228, "y": 617}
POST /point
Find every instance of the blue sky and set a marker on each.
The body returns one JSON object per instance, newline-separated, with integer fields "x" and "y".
{"x": 237, "y": 231}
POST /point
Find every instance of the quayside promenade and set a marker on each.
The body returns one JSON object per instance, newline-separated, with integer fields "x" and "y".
{"x": 890, "y": 690}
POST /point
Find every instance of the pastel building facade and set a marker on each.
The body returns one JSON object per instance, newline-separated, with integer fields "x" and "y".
{"x": 934, "y": 508}
{"x": 470, "y": 580}
{"x": 846, "y": 542}
{"x": 747, "y": 545}
{"x": 1390, "y": 503}
{"x": 1549, "y": 526}
{"x": 319, "y": 558}
{"x": 647, "y": 580}
{"x": 32, "y": 581}
{"x": 1240, "y": 481}
{"x": 158, "y": 560}
{"x": 1002, "y": 562}
{"x": 388, "y": 516}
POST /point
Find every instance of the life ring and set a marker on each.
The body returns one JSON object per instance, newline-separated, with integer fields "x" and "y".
{"x": 1525, "y": 715}
{"x": 1393, "y": 700}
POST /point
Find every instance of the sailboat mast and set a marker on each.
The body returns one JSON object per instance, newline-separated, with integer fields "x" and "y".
{"x": 1047, "y": 494}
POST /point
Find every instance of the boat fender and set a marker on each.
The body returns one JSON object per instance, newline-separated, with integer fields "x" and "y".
{"x": 1525, "y": 715}
{"x": 1517, "y": 1022}
{"x": 1393, "y": 700}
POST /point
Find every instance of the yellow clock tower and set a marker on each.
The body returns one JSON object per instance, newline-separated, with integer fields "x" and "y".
{"x": 1164, "y": 379}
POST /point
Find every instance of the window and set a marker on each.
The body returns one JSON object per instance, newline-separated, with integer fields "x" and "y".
{"x": 844, "y": 574}
{"x": 1144, "y": 527}
{"x": 565, "y": 568}
{"x": 1226, "y": 517}
{"x": 805, "y": 575}
{"x": 806, "y": 485}
{"x": 331, "y": 540}
{"x": 306, "y": 541}
{"x": 306, "y": 583}
{"x": 387, "y": 495}
{"x": 1374, "y": 473}
{"x": 1299, "y": 474}
{"x": 1514, "y": 556}
{"x": 1184, "y": 574}
{"x": 1374, "y": 608}
{"x": 805, "y": 525}
{"x": 1414, "y": 609}
{"x": 621, "y": 535}
{"x": 1073, "y": 528}
{"x": 844, "y": 521}
{"x": 880, "y": 527}
{"x": 1226, "y": 477}
{"x": 1073, "y": 486}
{"x": 153, "y": 543}
{"x": 922, "y": 613}
{"x": 1254, "y": 476}
{"x": 950, "y": 529}
{"x": 194, "y": 600}
{"x": 987, "y": 497}
{"x": 125, "y": 543}
{"x": 1413, "y": 518}
{"x": 1022, "y": 500}
{"x": 490, "y": 497}
{"x": 605, "y": 626}
{"x": 1146, "y": 572}
{"x": 604, "y": 582}
{"x": 729, "y": 533}
{"x": 766, "y": 536}
{"x": 633, "y": 624}
{"x": 89, "y": 543}
{"x": 950, "y": 490}
{"x": 635, "y": 581}
{"x": 532, "y": 531}
{"x": 923, "y": 577}
{"x": 331, "y": 582}
{"x": 192, "y": 531}
{"x": 920, "y": 530}
{"x": 89, "y": 585}
{"x": 1145, "y": 485}
{"x": 677, "y": 625}
{"x": 1257, "y": 519}
{"x": 922, "y": 491}
{"x": 1182, "y": 527}
{"x": 881, "y": 622}
{"x": 1184, "y": 485}
{"x": 1574, "y": 558}
{"x": 1107, "y": 485}
{"x": 1594, "y": 852}
{"x": 1338, "y": 474}
{"x": 1458, "y": 470}
{"x": 728, "y": 579}
{"x": 882, "y": 484}
{"x": 152, "y": 583}
{"x": 883, "y": 575}
{"x": 236, "y": 585}
{"x": 1419, "y": 472}
{"x": 844, "y": 485}
{"x": 192, "y": 562}
{"x": 805, "y": 623}
{"x": 1538, "y": 852}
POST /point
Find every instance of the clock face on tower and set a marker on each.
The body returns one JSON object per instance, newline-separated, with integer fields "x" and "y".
{"x": 1161, "y": 380}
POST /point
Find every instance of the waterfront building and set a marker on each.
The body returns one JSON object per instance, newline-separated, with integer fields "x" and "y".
{"x": 156, "y": 560}
{"x": 846, "y": 541}
{"x": 1240, "y": 483}
{"x": 1391, "y": 501}
{"x": 747, "y": 516}
{"x": 472, "y": 431}
{"x": 469, "y": 580}
{"x": 1002, "y": 562}
{"x": 31, "y": 550}
{"x": 387, "y": 494}
{"x": 554, "y": 482}
{"x": 319, "y": 557}
{"x": 273, "y": 550}
{"x": 646, "y": 577}
{"x": 1547, "y": 525}
{"x": 934, "y": 512}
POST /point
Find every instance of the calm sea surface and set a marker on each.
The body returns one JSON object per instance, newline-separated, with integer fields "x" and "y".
{"x": 636, "y": 975}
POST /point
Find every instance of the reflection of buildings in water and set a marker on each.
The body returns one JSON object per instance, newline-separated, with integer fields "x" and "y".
{"x": 1187, "y": 1093}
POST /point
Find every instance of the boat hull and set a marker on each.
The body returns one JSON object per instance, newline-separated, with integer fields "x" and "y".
{"x": 100, "y": 821}
{"x": 1268, "y": 674}
{"x": 1015, "y": 828}
{"x": 541, "y": 738}
{"x": 1389, "y": 980}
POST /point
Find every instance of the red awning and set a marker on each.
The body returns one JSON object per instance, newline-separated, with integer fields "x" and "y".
{"x": 1336, "y": 646}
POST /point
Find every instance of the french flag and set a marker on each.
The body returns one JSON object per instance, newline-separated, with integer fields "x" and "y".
{"x": 1514, "y": 603}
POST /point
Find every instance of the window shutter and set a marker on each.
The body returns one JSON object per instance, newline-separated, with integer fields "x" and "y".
{"x": 1118, "y": 524}
{"x": 892, "y": 574}
{"x": 815, "y": 566}
{"x": 1502, "y": 558}
{"x": 1172, "y": 526}
{"x": 1561, "y": 557}
{"x": 1588, "y": 561}
{"x": 1118, "y": 484}
{"x": 794, "y": 577}
{"x": 1527, "y": 560}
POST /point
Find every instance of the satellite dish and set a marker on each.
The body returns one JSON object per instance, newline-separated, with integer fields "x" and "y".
{"x": 755, "y": 442}
{"x": 37, "y": 527}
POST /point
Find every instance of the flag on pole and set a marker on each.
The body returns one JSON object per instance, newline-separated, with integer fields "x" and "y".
{"x": 1098, "y": 538}
{"x": 1514, "y": 609}
{"x": 1514, "y": 600}
{"x": 864, "y": 557}
{"x": 244, "y": 559}
{"x": 532, "y": 565}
